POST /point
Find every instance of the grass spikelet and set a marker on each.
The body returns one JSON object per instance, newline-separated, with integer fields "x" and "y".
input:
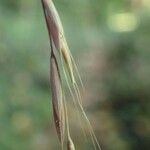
{"x": 68, "y": 61}
{"x": 55, "y": 29}
{"x": 56, "y": 97}
{"x": 62, "y": 58}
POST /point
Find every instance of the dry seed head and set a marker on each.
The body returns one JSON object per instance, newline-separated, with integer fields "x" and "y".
{"x": 57, "y": 39}
{"x": 52, "y": 21}
{"x": 68, "y": 60}
{"x": 56, "y": 32}
{"x": 56, "y": 97}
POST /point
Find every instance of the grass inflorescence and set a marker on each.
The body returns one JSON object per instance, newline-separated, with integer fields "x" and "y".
{"x": 61, "y": 59}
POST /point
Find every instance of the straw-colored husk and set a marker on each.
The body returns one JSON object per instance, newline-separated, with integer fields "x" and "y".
{"x": 61, "y": 57}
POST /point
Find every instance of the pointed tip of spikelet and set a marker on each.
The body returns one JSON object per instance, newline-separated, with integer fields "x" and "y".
{"x": 70, "y": 144}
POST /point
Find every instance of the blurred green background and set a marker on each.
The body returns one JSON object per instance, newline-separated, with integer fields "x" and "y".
{"x": 110, "y": 41}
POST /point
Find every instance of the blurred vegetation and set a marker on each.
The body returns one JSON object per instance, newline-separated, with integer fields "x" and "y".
{"x": 110, "y": 41}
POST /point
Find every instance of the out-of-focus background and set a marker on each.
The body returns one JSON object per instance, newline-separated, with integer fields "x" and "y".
{"x": 110, "y": 41}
